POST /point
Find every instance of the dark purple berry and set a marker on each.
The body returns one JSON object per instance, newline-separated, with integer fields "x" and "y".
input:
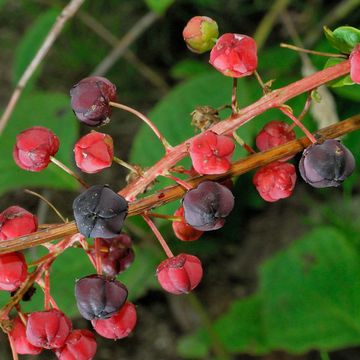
{"x": 99, "y": 297}
{"x": 90, "y": 100}
{"x": 327, "y": 164}
{"x": 206, "y": 207}
{"x": 100, "y": 212}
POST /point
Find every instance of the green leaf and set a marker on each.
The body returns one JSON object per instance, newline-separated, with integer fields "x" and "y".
{"x": 31, "y": 42}
{"x": 311, "y": 294}
{"x": 188, "y": 68}
{"x": 159, "y": 6}
{"x": 194, "y": 346}
{"x": 342, "y": 81}
{"x": 45, "y": 109}
{"x": 344, "y": 38}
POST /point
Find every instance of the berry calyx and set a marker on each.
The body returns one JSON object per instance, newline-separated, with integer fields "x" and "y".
{"x": 16, "y": 221}
{"x": 182, "y": 230}
{"x": 13, "y": 271}
{"x": 99, "y": 297}
{"x": 355, "y": 64}
{"x": 207, "y": 206}
{"x": 90, "y": 100}
{"x": 275, "y": 181}
{"x": 100, "y": 212}
{"x": 118, "y": 326}
{"x": 327, "y": 164}
{"x": 234, "y": 55}
{"x": 33, "y": 148}
{"x": 200, "y": 34}
{"x": 180, "y": 274}
{"x": 211, "y": 153}
{"x": 48, "y": 329}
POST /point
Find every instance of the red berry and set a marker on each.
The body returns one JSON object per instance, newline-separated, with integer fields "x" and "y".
{"x": 180, "y": 274}
{"x": 90, "y": 100}
{"x": 33, "y": 148}
{"x": 234, "y": 55}
{"x": 200, "y": 34}
{"x": 355, "y": 64}
{"x": 119, "y": 326}
{"x": 182, "y": 230}
{"x": 48, "y": 329}
{"x": 211, "y": 153}
{"x": 275, "y": 181}
{"x": 16, "y": 221}
{"x": 79, "y": 345}
{"x": 13, "y": 271}
{"x": 94, "y": 152}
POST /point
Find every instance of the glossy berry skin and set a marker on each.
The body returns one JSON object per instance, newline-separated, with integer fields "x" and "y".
{"x": 100, "y": 212}
{"x": 79, "y": 345}
{"x": 275, "y": 181}
{"x": 274, "y": 133}
{"x": 211, "y": 153}
{"x": 180, "y": 274}
{"x": 327, "y": 164}
{"x": 90, "y": 100}
{"x": 118, "y": 326}
{"x": 355, "y": 64}
{"x": 94, "y": 152}
{"x": 207, "y": 206}
{"x": 99, "y": 297}
{"x": 234, "y": 55}
{"x": 16, "y": 221}
{"x": 18, "y": 336}
{"x": 48, "y": 329}
{"x": 116, "y": 254}
{"x": 200, "y": 34}
{"x": 33, "y": 148}
{"x": 182, "y": 230}
{"x": 13, "y": 271}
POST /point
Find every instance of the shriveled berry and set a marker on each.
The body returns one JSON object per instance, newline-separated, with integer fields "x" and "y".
{"x": 118, "y": 326}
{"x": 234, "y": 55}
{"x": 211, "y": 153}
{"x": 48, "y": 329}
{"x": 13, "y": 271}
{"x": 327, "y": 164}
{"x": 79, "y": 345}
{"x": 22, "y": 344}
{"x": 33, "y": 148}
{"x": 99, "y": 297}
{"x": 90, "y": 100}
{"x": 355, "y": 64}
{"x": 16, "y": 221}
{"x": 94, "y": 152}
{"x": 182, "y": 230}
{"x": 180, "y": 274}
{"x": 275, "y": 181}
{"x": 207, "y": 206}
{"x": 200, "y": 34}
{"x": 100, "y": 212}
{"x": 116, "y": 254}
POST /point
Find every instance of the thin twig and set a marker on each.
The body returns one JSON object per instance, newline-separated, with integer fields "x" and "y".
{"x": 313, "y": 52}
{"x": 68, "y": 11}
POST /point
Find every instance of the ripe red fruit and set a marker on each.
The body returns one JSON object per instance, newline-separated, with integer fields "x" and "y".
{"x": 16, "y": 221}
{"x": 33, "y": 148}
{"x": 13, "y": 271}
{"x": 211, "y": 153}
{"x": 79, "y": 345}
{"x": 18, "y": 336}
{"x": 234, "y": 55}
{"x": 180, "y": 274}
{"x": 355, "y": 64}
{"x": 90, "y": 100}
{"x": 200, "y": 34}
{"x": 119, "y": 326}
{"x": 275, "y": 181}
{"x": 182, "y": 230}
{"x": 48, "y": 329}
{"x": 94, "y": 152}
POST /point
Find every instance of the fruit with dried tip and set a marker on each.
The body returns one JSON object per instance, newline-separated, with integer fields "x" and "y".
{"x": 327, "y": 164}
{"x": 355, "y": 64}
{"x": 33, "y": 148}
{"x": 182, "y": 230}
